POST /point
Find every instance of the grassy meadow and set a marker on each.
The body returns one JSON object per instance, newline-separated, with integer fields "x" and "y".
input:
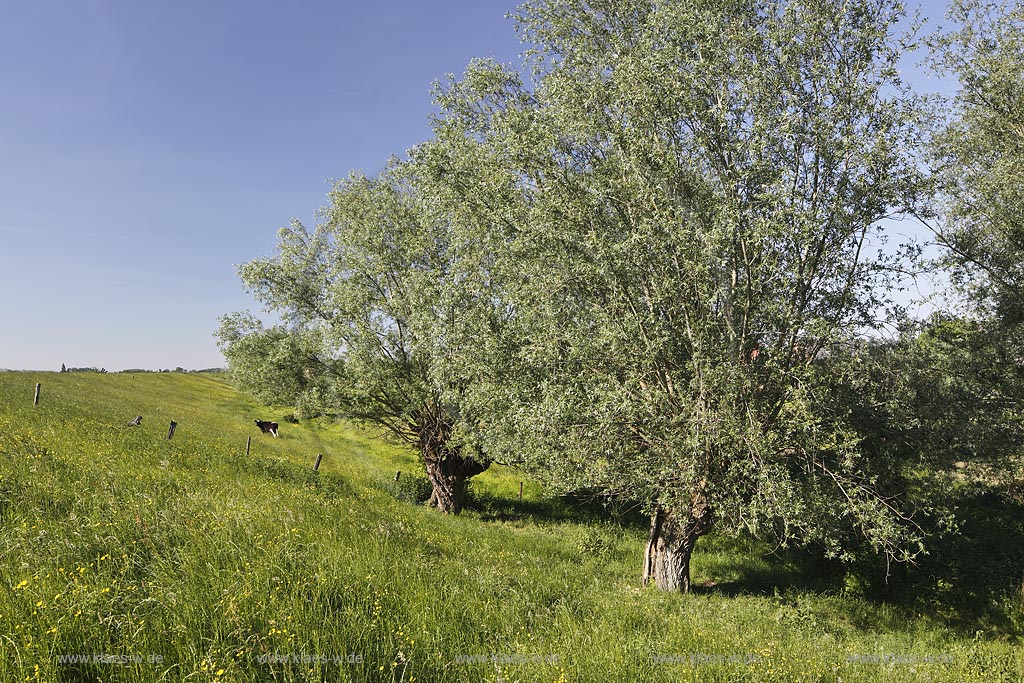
{"x": 125, "y": 556}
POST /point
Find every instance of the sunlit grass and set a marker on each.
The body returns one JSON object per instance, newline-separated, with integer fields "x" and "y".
{"x": 185, "y": 560}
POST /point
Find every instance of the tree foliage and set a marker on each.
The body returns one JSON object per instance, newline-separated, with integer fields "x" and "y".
{"x": 697, "y": 197}
{"x": 278, "y": 365}
{"x": 372, "y": 284}
{"x": 650, "y": 264}
{"x": 978, "y": 153}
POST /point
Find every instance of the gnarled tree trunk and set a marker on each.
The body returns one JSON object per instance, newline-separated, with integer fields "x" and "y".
{"x": 448, "y": 472}
{"x": 670, "y": 544}
{"x": 447, "y": 468}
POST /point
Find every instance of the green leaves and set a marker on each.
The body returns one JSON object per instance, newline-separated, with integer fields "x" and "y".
{"x": 978, "y": 153}
{"x": 688, "y": 194}
{"x": 378, "y": 300}
{"x": 278, "y": 365}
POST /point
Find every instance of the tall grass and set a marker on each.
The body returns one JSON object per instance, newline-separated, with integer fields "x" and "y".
{"x": 183, "y": 560}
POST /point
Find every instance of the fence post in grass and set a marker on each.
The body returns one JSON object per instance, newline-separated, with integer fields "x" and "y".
{"x": 170, "y": 432}
{"x": 248, "y": 443}
{"x": 35, "y": 400}
{"x": 398, "y": 474}
{"x": 316, "y": 465}
{"x": 520, "y": 490}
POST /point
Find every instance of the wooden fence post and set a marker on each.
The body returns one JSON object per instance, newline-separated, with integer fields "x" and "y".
{"x": 35, "y": 400}
{"x": 248, "y": 443}
{"x": 316, "y": 465}
{"x": 170, "y": 432}
{"x": 520, "y": 490}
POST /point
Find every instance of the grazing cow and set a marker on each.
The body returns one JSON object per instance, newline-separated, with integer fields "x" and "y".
{"x": 267, "y": 427}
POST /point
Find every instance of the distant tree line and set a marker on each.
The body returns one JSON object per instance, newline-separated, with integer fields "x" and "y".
{"x": 178, "y": 369}
{"x": 64, "y": 368}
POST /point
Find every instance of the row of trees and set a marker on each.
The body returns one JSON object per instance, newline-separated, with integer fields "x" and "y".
{"x": 650, "y": 264}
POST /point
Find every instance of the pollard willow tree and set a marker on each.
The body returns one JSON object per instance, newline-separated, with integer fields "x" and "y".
{"x": 375, "y": 284}
{"x": 699, "y": 194}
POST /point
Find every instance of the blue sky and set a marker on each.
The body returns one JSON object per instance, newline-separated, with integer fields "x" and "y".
{"x": 148, "y": 147}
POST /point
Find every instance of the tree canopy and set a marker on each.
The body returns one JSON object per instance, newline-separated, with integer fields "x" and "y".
{"x": 978, "y": 153}
{"x": 700, "y": 190}
{"x": 372, "y": 287}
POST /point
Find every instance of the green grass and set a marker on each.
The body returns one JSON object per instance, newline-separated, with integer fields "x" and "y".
{"x": 203, "y": 562}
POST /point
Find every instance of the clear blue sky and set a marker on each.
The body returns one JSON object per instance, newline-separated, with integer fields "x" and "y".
{"x": 148, "y": 147}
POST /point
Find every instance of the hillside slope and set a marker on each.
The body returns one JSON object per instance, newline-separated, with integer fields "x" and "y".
{"x": 186, "y": 560}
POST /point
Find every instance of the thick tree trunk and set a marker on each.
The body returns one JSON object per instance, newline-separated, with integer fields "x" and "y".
{"x": 449, "y": 474}
{"x": 447, "y": 469}
{"x": 449, "y": 490}
{"x": 670, "y": 545}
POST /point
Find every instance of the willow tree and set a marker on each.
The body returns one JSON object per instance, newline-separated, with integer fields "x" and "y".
{"x": 278, "y": 364}
{"x": 977, "y": 155}
{"x": 375, "y": 284}
{"x": 978, "y": 152}
{"x": 693, "y": 225}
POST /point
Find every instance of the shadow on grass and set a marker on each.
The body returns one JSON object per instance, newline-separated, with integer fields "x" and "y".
{"x": 581, "y": 507}
{"x": 971, "y": 580}
{"x": 774, "y": 581}
{"x": 731, "y": 566}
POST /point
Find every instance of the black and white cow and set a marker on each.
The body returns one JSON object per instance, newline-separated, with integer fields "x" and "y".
{"x": 267, "y": 427}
